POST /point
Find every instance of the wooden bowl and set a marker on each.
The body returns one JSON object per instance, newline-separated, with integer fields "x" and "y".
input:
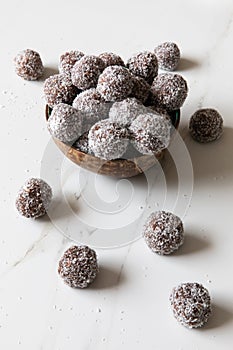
{"x": 121, "y": 168}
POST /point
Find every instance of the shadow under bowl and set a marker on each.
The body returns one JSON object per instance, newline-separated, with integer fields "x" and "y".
{"x": 120, "y": 168}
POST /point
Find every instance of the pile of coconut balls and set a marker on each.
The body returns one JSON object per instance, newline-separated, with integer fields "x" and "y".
{"x": 100, "y": 105}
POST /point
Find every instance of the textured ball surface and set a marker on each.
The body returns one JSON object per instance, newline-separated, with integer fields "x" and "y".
{"x": 115, "y": 83}
{"x": 144, "y": 65}
{"x": 78, "y": 266}
{"x": 206, "y": 125}
{"x": 124, "y": 112}
{"x": 28, "y": 65}
{"x": 141, "y": 89}
{"x": 108, "y": 140}
{"x": 169, "y": 90}
{"x": 68, "y": 60}
{"x": 93, "y": 107}
{"x": 65, "y": 123}
{"x": 191, "y": 304}
{"x": 59, "y": 89}
{"x": 86, "y": 71}
{"x": 150, "y": 132}
{"x": 111, "y": 59}
{"x": 34, "y": 198}
{"x": 163, "y": 232}
{"x": 168, "y": 56}
{"x": 82, "y": 144}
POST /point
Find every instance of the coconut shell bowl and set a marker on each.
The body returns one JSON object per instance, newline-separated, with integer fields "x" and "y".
{"x": 120, "y": 168}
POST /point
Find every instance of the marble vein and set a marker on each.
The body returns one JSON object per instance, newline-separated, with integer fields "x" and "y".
{"x": 33, "y": 247}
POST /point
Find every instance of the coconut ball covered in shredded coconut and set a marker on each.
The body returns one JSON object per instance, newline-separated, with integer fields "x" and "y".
{"x": 34, "y": 198}
{"x": 68, "y": 60}
{"x": 150, "y": 132}
{"x": 78, "y": 267}
{"x": 169, "y": 90}
{"x": 93, "y": 107}
{"x": 124, "y": 112}
{"x": 144, "y": 65}
{"x": 59, "y": 89}
{"x": 86, "y": 71}
{"x": 115, "y": 83}
{"x": 163, "y": 232}
{"x": 108, "y": 140}
{"x": 141, "y": 89}
{"x": 206, "y": 125}
{"x": 28, "y": 65}
{"x": 111, "y": 59}
{"x": 65, "y": 123}
{"x": 168, "y": 55}
{"x": 191, "y": 304}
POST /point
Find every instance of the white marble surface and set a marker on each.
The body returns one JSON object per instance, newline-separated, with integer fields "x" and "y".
{"x": 127, "y": 307}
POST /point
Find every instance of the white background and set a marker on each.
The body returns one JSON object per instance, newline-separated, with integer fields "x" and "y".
{"x": 127, "y": 307}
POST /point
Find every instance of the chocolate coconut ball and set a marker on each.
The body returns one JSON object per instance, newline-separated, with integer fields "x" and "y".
{"x": 144, "y": 65}
{"x": 34, "y": 198}
{"x": 206, "y": 125}
{"x": 93, "y": 107}
{"x": 108, "y": 140}
{"x": 115, "y": 83}
{"x": 86, "y": 71}
{"x": 141, "y": 89}
{"x": 124, "y": 112}
{"x": 68, "y": 60}
{"x": 78, "y": 266}
{"x": 59, "y": 89}
{"x": 28, "y": 65}
{"x": 65, "y": 123}
{"x": 111, "y": 59}
{"x": 163, "y": 232}
{"x": 169, "y": 90}
{"x": 191, "y": 304}
{"x": 150, "y": 132}
{"x": 168, "y": 55}
{"x": 82, "y": 144}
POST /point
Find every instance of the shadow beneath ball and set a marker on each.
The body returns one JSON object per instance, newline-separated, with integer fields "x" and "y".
{"x": 43, "y": 219}
{"x": 192, "y": 245}
{"x": 187, "y": 63}
{"x": 107, "y": 278}
{"x": 220, "y": 317}
{"x": 48, "y": 71}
